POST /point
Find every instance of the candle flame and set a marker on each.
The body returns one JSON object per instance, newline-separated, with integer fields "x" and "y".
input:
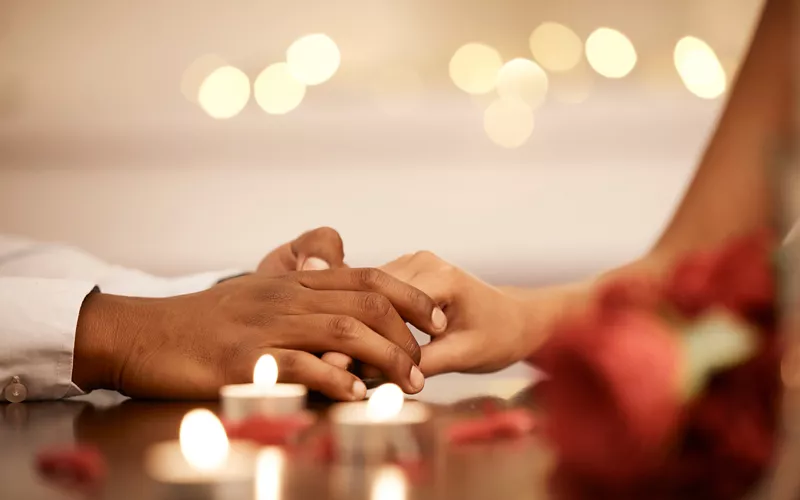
{"x": 385, "y": 403}
{"x": 389, "y": 484}
{"x": 203, "y": 441}
{"x": 266, "y": 371}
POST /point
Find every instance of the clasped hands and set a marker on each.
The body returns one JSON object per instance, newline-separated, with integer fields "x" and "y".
{"x": 315, "y": 315}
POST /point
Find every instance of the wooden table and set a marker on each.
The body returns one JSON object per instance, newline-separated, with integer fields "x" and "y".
{"x": 123, "y": 432}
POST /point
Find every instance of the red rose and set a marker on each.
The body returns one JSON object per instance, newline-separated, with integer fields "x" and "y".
{"x": 613, "y": 399}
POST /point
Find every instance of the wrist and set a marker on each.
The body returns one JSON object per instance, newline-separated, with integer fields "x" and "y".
{"x": 541, "y": 308}
{"x": 96, "y": 356}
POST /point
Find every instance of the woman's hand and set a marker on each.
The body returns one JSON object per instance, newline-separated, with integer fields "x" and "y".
{"x": 488, "y": 328}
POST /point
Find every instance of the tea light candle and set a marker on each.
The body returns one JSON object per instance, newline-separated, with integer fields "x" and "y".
{"x": 264, "y": 396}
{"x": 202, "y": 464}
{"x": 384, "y": 427}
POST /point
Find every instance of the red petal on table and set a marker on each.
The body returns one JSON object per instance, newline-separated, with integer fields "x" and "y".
{"x": 500, "y": 425}
{"x": 82, "y": 466}
{"x": 269, "y": 431}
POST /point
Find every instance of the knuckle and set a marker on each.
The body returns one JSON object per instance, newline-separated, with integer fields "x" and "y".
{"x": 289, "y": 361}
{"x": 424, "y": 256}
{"x": 343, "y": 328}
{"x": 376, "y": 305}
{"x": 420, "y": 302}
{"x": 395, "y": 356}
{"x": 370, "y": 278}
{"x": 412, "y": 348}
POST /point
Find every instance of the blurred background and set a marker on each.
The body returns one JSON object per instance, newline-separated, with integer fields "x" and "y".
{"x": 528, "y": 141}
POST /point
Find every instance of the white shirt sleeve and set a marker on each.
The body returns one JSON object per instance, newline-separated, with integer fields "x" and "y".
{"x": 42, "y": 288}
{"x": 24, "y": 258}
{"x": 37, "y": 334}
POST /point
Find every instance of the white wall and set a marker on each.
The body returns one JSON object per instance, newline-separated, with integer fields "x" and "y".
{"x": 98, "y": 147}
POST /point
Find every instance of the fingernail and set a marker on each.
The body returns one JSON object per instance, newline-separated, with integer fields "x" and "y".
{"x": 417, "y": 379}
{"x": 359, "y": 390}
{"x": 439, "y": 319}
{"x": 315, "y": 264}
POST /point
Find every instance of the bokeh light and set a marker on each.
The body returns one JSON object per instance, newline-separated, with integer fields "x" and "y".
{"x": 270, "y": 464}
{"x": 313, "y": 59}
{"x": 390, "y": 483}
{"x": 197, "y": 72}
{"x": 203, "y": 441}
{"x": 699, "y": 68}
{"x": 385, "y": 402}
{"x": 556, "y": 47}
{"x": 474, "y": 68}
{"x": 524, "y": 80}
{"x": 224, "y": 93}
{"x": 277, "y": 91}
{"x": 508, "y": 122}
{"x": 610, "y": 53}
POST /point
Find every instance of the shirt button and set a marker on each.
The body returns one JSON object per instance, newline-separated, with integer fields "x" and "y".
{"x": 15, "y": 392}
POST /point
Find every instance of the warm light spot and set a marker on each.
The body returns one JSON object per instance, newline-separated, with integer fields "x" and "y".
{"x": 266, "y": 371}
{"x": 224, "y": 93}
{"x": 474, "y": 68}
{"x": 197, "y": 72}
{"x": 277, "y": 91}
{"x": 203, "y": 441}
{"x": 699, "y": 68}
{"x": 390, "y": 483}
{"x": 610, "y": 53}
{"x": 556, "y": 47}
{"x": 269, "y": 473}
{"x": 313, "y": 59}
{"x": 385, "y": 403}
{"x": 508, "y": 122}
{"x": 523, "y": 80}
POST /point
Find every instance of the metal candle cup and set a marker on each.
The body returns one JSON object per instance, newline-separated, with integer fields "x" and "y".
{"x": 264, "y": 396}
{"x": 383, "y": 429}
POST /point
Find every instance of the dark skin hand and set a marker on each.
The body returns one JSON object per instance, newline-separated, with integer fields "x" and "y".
{"x": 320, "y": 249}
{"x": 186, "y": 347}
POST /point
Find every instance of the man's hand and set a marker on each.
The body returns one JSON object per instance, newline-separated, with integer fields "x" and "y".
{"x": 190, "y": 345}
{"x": 315, "y": 250}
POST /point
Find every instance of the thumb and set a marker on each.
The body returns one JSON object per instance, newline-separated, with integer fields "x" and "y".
{"x": 450, "y": 353}
{"x": 319, "y": 249}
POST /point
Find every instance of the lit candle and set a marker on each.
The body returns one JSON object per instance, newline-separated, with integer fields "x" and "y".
{"x": 383, "y": 428}
{"x": 264, "y": 396}
{"x": 202, "y": 463}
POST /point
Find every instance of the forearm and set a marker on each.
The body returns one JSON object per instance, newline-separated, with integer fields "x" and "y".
{"x": 731, "y": 192}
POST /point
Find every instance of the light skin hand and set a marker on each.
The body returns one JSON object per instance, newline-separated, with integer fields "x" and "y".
{"x": 487, "y": 329}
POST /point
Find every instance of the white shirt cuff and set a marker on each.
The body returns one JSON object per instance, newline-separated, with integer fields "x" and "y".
{"x": 39, "y": 318}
